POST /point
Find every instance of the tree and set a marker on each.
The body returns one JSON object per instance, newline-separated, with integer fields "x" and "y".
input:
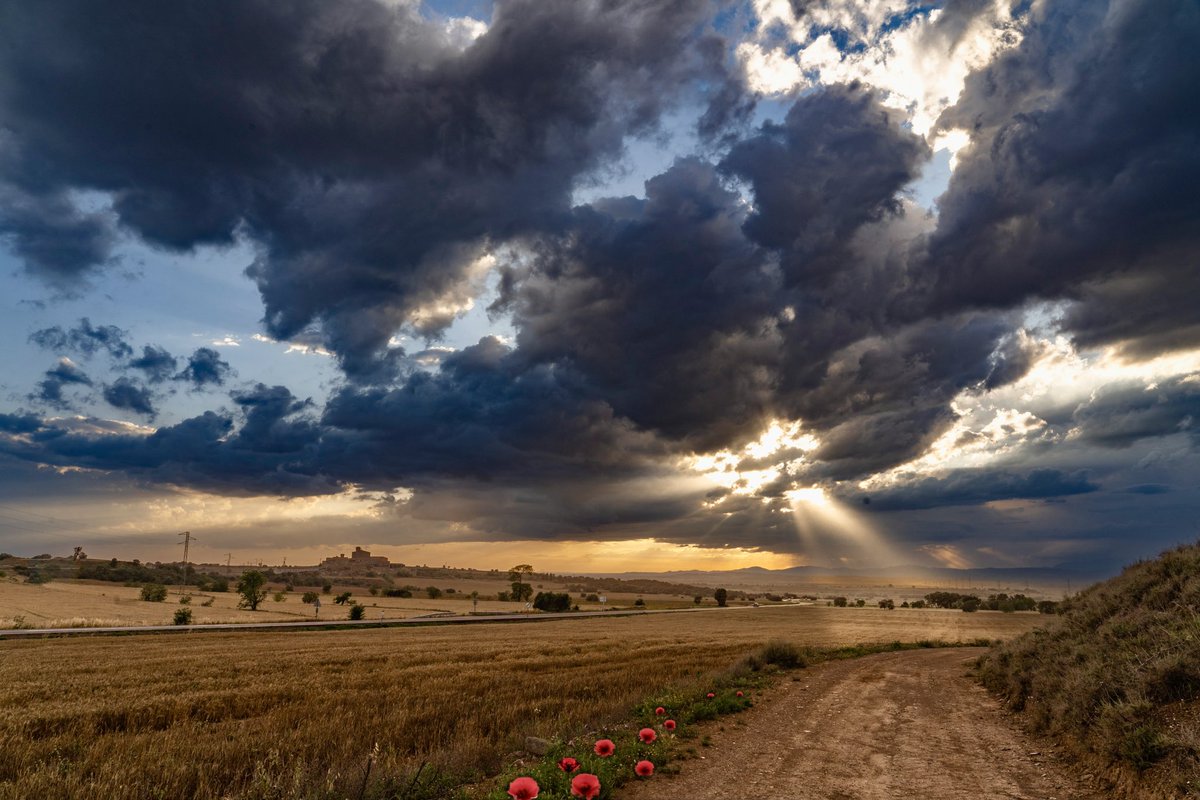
{"x": 183, "y": 616}
{"x": 840, "y": 602}
{"x": 433, "y": 592}
{"x": 154, "y": 592}
{"x": 342, "y": 598}
{"x": 521, "y": 591}
{"x": 309, "y": 598}
{"x": 721, "y": 596}
{"x": 253, "y": 588}
{"x": 697, "y": 599}
{"x": 78, "y": 555}
{"x": 357, "y": 611}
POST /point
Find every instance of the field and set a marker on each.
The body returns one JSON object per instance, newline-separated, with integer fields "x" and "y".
{"x": 75, "y": 603}
{"x": 297, "y": 714}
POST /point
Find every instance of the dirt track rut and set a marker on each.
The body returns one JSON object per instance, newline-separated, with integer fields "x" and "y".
{"x": 906, "y": 725}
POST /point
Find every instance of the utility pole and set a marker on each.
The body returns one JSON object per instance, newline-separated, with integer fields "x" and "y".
{"x": 187, "y": 542}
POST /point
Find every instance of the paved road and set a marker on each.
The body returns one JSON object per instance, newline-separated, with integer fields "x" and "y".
{"x": 314, "y": 624}
{"x": 896, "y": 725}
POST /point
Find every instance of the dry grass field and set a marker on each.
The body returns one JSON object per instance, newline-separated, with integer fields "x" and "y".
{"x": 280, "y": 715}
{"x": 75, "y": 603}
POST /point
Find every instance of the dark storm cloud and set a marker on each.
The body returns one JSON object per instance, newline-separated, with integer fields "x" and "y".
{"x": 976, "y": 487}
{"x": 1118, "y": 416}
{"x": 126, "y": 394}
{"x": 19, "y": 423}
{"x": 84, "y": 338}
{"x": 64, "y": 373}
{"x": 662, "y": 306}
{"x": 1080, "y": 179}
{"x": 156, "y": 363}
{"x": 271, "y": 454}
{"x": 484, "y": 415}
{"x": 364, "y": 152}
{"x": 205, "y": 367}
{"x": 48, "y": 232}
{"x": 834, "y": 164}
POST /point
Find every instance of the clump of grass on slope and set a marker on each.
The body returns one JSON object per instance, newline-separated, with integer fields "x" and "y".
{"x": 1118, "y": 674}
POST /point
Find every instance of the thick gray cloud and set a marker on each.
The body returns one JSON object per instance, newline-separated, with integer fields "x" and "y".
{"x": 84, "y": 338}
{"x": 1080, "y": 180}
{"x": 205, "y": 367}
{"x": 978, "y": 486}
{"x": 365, "y": 152}
{"x": 157, "y": 364}
{"x": 371, "y": 159}
{"x": 126, "y": 394}
{"x": 64, "y": 373}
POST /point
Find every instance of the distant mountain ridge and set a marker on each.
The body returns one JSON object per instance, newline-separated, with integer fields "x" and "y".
{"x": 1056, "y": 575}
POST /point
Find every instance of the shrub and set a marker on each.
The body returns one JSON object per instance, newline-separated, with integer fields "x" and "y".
{"x": 888, "y": 604}
{"x": 279, "y": 597}
{"x": 208, "y": 602}
{"x": 183, "y": 616}
{"x": 593, "y": 598}
{"x": 309, "y": 598}
{"x": 357, "y": 611}
{"x": 697, "y": 599}
{"x": 37, "y": 576}
{"x": 342, "y": 598}
{"x": 433, "y": 592}
{"x": 640, "y": 603}
{"x": 782, "y": 654}
{"x": 154, "y": 593}
{"x": 840, "y": 602}
{"x": 860, "y": 602}
{"x": 552, "y": 601}
{"x": 374, "y": 590}
{"x": 185, "y": 600}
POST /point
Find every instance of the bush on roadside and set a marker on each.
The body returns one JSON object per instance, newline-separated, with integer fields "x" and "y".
{"x": 183, "y": 616}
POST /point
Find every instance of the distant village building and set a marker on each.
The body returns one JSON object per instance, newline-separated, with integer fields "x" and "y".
{"x": 359, "y": 559}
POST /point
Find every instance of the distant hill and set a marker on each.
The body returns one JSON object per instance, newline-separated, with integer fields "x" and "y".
{"x": 760, "y": 577}
{"x": 1117, "y": 676}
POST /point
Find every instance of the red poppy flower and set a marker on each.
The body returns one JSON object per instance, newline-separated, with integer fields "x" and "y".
{"x": 605, "y": 748}
{"x": 660, "y": 711}
{"x": 711, "y": 695}
{"x": 740, "y": 694}
{"x": 568, "y": 764}
{"x": 669, "y": 724}
{"x": 647, "y": 735}
{"x": 644, "y": 768}
{"x": 523, "y": 789}
{"x": 585, "y": 785}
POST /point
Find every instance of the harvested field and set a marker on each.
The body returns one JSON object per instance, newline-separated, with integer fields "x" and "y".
{"x": 297, "y": 714}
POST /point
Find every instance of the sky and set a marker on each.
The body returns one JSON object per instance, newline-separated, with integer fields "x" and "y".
{"x": 601, "y": 285}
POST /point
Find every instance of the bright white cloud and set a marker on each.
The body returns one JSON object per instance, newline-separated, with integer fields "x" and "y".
{"x": 918, "y": 65}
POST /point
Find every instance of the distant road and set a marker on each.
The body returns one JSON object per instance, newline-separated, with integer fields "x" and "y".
{"x": 316, "y": 624}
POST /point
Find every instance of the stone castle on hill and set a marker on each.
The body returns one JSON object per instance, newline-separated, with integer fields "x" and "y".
{"x": 359, "y": 559}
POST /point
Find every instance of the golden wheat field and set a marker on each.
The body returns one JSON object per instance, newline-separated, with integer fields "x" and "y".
{"x": 266, "y": 715}
{"x": 92, "y": 604}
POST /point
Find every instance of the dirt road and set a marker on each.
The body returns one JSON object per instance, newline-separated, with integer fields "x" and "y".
{"x": 898, "y": 725}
